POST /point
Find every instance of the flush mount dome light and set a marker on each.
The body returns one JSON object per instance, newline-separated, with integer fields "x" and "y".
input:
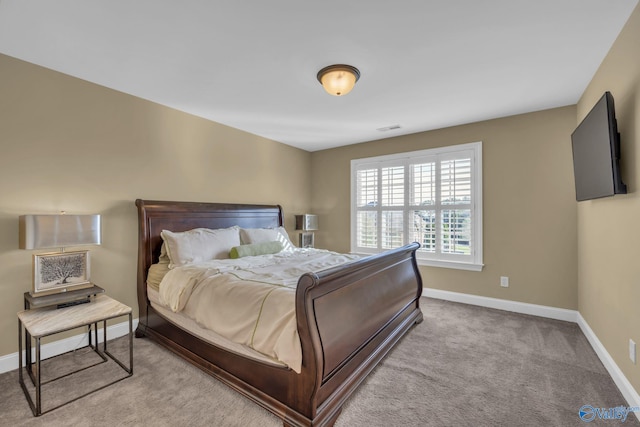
{"x": 338, "y": 79}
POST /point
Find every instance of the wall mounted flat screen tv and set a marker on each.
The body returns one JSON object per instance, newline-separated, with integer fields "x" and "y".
{"x": 596, "y": 153}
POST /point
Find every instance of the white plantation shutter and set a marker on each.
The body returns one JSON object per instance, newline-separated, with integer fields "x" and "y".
{"x": 430, "y": 196}
{"x": 366, "y": 218}
{"x": 455, "y": 201}
{"x": 392, "y": 186}
{"x": 367, "y": 184}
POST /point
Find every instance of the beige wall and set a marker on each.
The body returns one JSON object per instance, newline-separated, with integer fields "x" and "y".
{"x": 609, "y": 228}
{"x": 529, "y": 204}
{"x": 71, "y": 145}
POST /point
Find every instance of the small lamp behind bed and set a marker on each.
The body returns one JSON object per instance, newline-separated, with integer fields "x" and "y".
{"x": 61, "y": 271}
{"x": 308, "y": 223}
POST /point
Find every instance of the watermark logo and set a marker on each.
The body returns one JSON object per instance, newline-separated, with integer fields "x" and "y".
{"x": 588, "y": 413}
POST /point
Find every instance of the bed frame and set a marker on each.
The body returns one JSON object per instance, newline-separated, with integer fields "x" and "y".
{"x": 348, "y": 317}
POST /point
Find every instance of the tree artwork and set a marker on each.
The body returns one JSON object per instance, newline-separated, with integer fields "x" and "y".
{"x": 61, "y": 268}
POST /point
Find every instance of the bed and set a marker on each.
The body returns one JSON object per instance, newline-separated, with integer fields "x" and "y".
{"x": 348, "y": 317}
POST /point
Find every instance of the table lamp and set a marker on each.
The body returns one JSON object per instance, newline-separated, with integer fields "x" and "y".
{"x": 307, "y": 223}
{"x": 61, "y": 271}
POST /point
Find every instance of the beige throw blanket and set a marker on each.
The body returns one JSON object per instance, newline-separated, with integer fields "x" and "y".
{"x": 249, "y": 300}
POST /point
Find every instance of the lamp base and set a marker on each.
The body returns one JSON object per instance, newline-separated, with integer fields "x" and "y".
{"x": 306, "y": 240}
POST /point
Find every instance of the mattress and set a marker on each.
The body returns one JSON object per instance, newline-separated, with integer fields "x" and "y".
{"x": 189, "y": 325}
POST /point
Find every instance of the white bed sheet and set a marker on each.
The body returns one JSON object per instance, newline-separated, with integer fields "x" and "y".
{"x": 207, "y": 335}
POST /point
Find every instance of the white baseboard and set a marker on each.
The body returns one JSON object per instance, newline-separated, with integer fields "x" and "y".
{"x": 10, "y": 361}
{"x": 627, "y": 390}
{"x": 501, "y": 304}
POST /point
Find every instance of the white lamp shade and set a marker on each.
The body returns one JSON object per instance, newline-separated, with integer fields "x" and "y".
{"x": 58, "y": 231}
{"x": 307, "y": 222}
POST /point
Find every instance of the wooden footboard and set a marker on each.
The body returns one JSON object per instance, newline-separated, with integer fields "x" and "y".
{"x": 351, "y": 316}
{"x": 348, "y": 317}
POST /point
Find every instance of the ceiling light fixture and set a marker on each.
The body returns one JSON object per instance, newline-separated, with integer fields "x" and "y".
{"x": 338, "y": 79}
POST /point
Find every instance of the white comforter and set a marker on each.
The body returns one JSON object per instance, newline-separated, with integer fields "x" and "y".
{"x": 249, "y": 300}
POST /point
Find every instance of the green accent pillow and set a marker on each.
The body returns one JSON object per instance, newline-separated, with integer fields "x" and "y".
{"x": 253, "y": 249}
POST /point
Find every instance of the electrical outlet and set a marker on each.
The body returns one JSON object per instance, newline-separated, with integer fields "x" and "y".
{"x": 632, "y": 351}
{"x": 504, "y": 281}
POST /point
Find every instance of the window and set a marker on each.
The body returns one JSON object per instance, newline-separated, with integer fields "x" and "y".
{"x": 433, "y": 197}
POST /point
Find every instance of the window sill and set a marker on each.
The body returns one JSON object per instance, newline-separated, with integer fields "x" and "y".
{"x": 450, "y": 264}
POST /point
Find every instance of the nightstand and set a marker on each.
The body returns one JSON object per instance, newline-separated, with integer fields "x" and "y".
{"x": 42, "y": 319}
{"x": 62, "y": 299}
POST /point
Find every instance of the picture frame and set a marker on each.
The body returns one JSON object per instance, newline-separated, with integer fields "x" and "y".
{"x": 60, "y": 272}
{"x": 306, "y": 240}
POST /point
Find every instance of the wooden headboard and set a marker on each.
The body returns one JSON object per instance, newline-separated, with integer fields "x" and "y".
{"x": 155, "y": 216}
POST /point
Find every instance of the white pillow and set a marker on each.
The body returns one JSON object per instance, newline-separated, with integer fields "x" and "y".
{"x": 164, "y": 257}
{"x": 199, "y": 244}
{"x": 250, "y": 236}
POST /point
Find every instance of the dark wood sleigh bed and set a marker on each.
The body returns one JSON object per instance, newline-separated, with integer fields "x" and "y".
{"x": 348, "y": 317}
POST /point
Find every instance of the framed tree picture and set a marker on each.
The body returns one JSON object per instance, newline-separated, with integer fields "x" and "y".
{"x": 60, "y": 272}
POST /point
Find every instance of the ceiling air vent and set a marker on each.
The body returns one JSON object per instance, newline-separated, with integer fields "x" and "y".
{"x": 388, "y": 128}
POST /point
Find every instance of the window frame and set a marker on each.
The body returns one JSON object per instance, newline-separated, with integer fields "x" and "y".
{"x": 473, "y": 262}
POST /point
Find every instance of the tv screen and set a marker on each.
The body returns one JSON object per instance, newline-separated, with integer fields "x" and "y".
{"x": 596, "y": 153}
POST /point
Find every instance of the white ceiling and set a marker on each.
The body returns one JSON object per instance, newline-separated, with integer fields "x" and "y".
{"x": 252, "y": 64}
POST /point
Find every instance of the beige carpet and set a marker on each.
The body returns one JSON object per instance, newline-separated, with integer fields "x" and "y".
{"x": 463, "y": 366}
